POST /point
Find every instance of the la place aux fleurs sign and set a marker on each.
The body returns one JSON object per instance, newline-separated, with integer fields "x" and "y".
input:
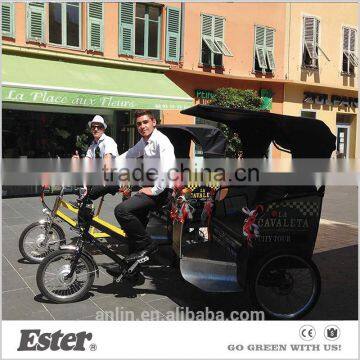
{"x": 334, "y": 100}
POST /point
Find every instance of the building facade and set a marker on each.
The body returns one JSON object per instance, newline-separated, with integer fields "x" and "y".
{"x": 233, "y": 45}
{"x": 64, "y": 62}
{"x": 321, "y": 66}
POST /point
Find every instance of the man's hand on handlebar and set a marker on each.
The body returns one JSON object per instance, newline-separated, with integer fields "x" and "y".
{"x": 76, "y": 155}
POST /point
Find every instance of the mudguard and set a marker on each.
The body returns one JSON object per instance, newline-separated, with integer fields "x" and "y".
{"x": 85, "y": 253}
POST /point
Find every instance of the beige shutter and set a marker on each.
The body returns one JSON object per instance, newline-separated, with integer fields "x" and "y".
{"x": 311, "y": 36}
{"x": 352, "y": 41}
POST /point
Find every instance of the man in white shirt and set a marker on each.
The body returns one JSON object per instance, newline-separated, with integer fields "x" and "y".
{"x": 132, "y": 214}
{"x": 103, "y": 146}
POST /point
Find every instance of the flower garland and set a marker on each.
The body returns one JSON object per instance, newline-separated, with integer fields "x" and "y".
{"x": 250, "y": 228}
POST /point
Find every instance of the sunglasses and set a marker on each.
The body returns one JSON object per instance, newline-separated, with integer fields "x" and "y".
{"x": 93, "y": 127}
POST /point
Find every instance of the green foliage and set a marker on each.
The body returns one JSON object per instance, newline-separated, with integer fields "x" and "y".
{"x": 82, "y": 141}
{"x": 235, "y": 99}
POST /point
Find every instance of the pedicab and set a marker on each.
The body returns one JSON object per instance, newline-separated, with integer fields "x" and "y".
{"x": 46, "y": 235}
{"x": 243, "y": 249}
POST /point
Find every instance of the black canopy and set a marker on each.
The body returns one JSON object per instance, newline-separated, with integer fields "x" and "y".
{"x": 304, "y": 137}
{"x": 210, "y": 138}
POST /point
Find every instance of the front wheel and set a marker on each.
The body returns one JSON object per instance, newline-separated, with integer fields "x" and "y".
{"x": 285, "y": 286}
{"x": 34, "y": 245}
{"x": 53, "y": 281}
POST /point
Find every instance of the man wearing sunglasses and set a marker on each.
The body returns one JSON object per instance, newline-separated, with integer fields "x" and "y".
{"x": 103, "y": 146}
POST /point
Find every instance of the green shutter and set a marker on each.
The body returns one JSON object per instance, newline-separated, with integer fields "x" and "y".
{"x": 173, "y": 34}
{"x": 206, "y": 25}
{"x": 36, "y": 22}
{"x": 260, "y": 46}
{"x": 269, "y": 43}
{"x": 219, "y": 28}
{"x": 219, "y": 37}
{"x": 95, "y": 26}
{"x": 127, "y": 28}
{"x": 7, "y": 19}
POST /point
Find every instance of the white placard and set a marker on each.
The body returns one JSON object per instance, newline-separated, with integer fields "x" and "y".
{"x": 181, "y": 339}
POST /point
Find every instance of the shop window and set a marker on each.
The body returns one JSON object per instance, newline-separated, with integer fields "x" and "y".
{"x": 342, "y": 141}
{"x": 213, "y": 46}
{"x": 311, "y": 46}
{"x": 64, "y": 24}
{"x": 8, "y": 19}
{"x": 349, "y": 58}
{"x": 264, "y": 60}
{"x": 308, "y": 114}
{"x": 140, "y": 29}
{"x": 44, "y": 134}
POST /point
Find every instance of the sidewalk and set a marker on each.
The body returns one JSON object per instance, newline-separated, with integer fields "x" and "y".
{"x": 164, "y": 289}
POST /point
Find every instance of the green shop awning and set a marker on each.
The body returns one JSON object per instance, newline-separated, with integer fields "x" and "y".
{"x": 53, "y": 82}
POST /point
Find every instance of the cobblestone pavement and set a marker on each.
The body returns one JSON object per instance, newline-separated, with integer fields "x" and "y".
{"x": 164, "y": 289}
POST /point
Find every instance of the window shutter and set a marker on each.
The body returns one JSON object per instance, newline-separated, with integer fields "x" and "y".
{"x": 269, "y": 42}
{"x": 346, "y": 38}
{"x": 173, "y": 33}
{"x": 206, "y": 26}
{"x": 353, "y": 58}
{"x": 352, "y": 39}
{"x": 207, "y": 33}
{"x": 311, "y": 35}
{"x": 219, "y": 36}
{"x": 7, "y": 19}
{"x": 127, "y": 28}
{"x": 219, "y": 28}
{"x": 95, "y": 22}
{"x": 36, "y": 21}
{"x": 260, "y": 46}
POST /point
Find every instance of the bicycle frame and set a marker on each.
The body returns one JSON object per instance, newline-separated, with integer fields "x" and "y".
{"x": 88, "y": 237}
{"x": 106, "y": 229}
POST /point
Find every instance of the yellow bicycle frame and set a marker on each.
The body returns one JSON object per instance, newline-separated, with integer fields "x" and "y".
{"x": 96, "y": 220}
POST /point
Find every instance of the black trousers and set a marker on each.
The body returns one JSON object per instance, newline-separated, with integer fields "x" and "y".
{"x": 132, "y": 215}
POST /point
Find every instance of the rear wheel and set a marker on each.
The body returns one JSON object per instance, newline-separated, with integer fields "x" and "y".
{"x": 34, "y": 245}
{"x": 285, "y": 286}
{"x": 52, "y": 278}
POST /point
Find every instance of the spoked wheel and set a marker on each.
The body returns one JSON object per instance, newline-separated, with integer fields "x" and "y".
{"x": 34, "y": 245}
{"x": 286, "y": 286}
{"x": 53, "y": 281}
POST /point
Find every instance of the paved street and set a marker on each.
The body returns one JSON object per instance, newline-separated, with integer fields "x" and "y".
{"x": 336, "y": 255}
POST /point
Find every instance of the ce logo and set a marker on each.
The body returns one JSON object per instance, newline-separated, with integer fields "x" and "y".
{"x": 307, "y": 332}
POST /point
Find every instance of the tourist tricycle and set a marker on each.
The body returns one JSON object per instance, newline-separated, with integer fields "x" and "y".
{"x": 227, "y": 238}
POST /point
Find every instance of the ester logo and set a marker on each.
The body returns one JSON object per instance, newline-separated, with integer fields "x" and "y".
{"x": 35, "y": 340}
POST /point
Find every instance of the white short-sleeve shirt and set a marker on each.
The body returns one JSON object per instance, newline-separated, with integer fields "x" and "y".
{"x": 106, "y": 144}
